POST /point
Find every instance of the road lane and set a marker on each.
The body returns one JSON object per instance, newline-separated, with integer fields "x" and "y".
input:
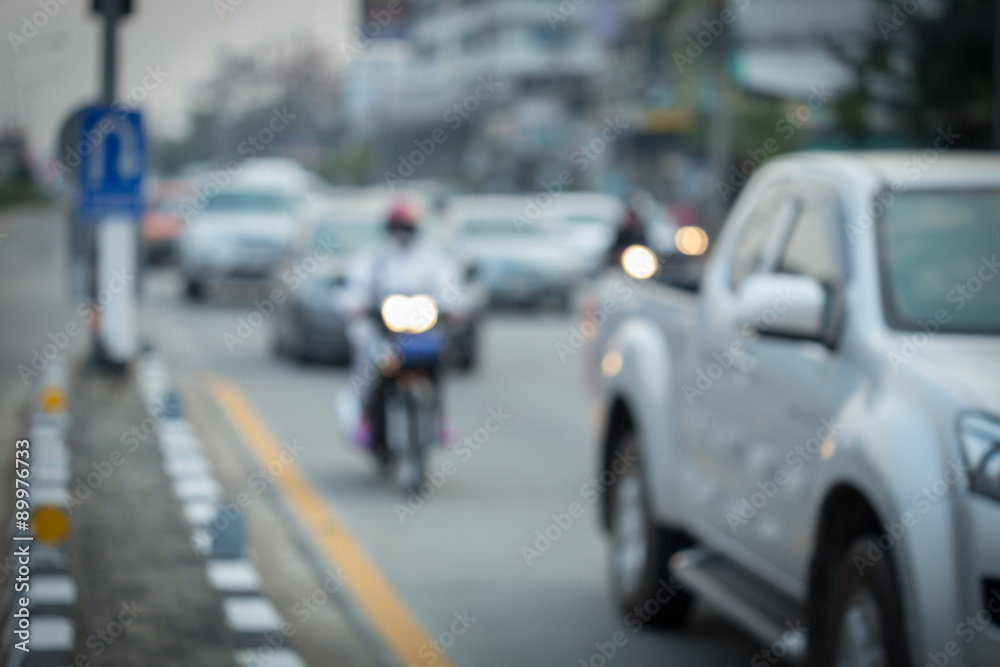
{"x": 367, "y": 584}
{"x": 461, "y": 550}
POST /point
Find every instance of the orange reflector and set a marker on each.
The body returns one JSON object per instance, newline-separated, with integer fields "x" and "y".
{"x": 51, "y": 524}
{"x": 52, "y": 400}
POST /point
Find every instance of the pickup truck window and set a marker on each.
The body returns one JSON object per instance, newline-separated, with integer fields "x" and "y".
{"x": 812, "y": 247}
{"x": 751, "y": 253}
{"x": 938, "y": 253}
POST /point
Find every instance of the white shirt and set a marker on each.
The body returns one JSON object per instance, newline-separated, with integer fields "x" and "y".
{"x": 390, "y": 267}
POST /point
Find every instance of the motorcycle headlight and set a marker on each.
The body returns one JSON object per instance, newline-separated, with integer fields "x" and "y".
{"x": 639, "y": 262}
{"x": 415, "y": 314}
{"x": 980, "y": 440}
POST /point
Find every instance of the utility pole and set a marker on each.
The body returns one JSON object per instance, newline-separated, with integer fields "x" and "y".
{"x": 996, "y": 77}
{"x": 719, "y": 124}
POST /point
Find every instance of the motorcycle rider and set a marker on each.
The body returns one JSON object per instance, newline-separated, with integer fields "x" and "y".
{"x": 405, "y": 262}
{"x": 631, "y": 232}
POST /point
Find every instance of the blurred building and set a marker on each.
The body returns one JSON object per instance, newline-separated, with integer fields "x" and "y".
{"x": 680, "y": 61}
{"x": 498, "y": 86}
{"x": 517, "y": 87}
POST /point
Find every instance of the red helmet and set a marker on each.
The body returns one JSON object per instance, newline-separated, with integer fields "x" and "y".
{"x": 402, "y": 215}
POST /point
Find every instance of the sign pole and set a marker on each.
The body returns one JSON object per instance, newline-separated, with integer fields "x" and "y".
{"x": 111, "y": 12}
{"x": 116, "y": 238}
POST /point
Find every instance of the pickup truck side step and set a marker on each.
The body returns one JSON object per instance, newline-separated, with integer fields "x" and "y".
{"x": 769, "y": 617}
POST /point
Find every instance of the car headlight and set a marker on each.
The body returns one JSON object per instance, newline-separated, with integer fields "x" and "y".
{"x": 410, "y": 314}
{"x": 980, "y": 440}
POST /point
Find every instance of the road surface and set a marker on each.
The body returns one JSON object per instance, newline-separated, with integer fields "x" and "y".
{"x": 461, "y": 553}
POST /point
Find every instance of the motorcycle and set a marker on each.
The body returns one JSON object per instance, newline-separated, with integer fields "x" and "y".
{"x": 406, "y": 406}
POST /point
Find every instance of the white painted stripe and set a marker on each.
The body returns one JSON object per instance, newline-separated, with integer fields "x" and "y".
{"x": 46, "y": 446}
{"x": 186, "y": 465}
{"x": 49, "y": 489}
{"x": 51, "y": 633}
{"x": 200, "y": 513}
{"x": 171, "y": 426}
{"x": 59, "y": 421}
{"x": 50, "y": 469}
{"x": 251, "y": 614}
{"x": 60, "y": 458}
{"x": 179, "y": 442}
{"x": 153, "y": 372}
{"x": 43, "y": 431}
{"x": 51, "y": 475}
{"x": 265, "y": 656}
{"x": 49, "y": 496}
{"x": 53, "y": 589}
{"x": 233, "y": 576}
{"x": 196, "y": 489}
{"x": 154, "y": 385}
{"x": 193, "y": 482}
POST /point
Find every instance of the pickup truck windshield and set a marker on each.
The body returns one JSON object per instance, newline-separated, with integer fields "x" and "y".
{"x": 939, "y": 253}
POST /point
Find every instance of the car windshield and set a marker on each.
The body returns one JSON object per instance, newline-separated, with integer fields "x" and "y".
{"x": 345, "y": 237}
{"x": 495, "y": 227}
{"x": 245, "y": 202}
{"x": 939, "y": 254}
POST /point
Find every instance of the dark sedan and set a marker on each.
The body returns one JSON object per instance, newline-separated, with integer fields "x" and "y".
{"x": 311, "y": 323}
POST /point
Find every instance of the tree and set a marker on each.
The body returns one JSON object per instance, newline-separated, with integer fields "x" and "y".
{"x": 240, "y": 98}
{"x": 923, "y": 67}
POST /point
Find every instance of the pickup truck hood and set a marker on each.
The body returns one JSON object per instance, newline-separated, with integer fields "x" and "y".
{"x": 967, "y": 365}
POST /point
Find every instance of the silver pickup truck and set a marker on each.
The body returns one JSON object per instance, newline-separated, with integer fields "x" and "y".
{"x": 810, "y": 440}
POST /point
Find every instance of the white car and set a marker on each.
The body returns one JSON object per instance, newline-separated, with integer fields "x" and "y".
{"x": 587, "y": 222}
{"x": 519, "y": 263}
{"x": 241, "y": 235}
{"x": 811, "y": 443}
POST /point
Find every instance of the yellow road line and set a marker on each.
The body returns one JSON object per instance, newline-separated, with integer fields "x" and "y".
{"x": 383, "y": 606}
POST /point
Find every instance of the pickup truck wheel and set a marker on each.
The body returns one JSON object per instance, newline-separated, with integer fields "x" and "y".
{"x": 864, "y": 618}
{"x": 640, "y": 550}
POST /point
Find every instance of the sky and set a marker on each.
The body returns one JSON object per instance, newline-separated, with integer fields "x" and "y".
{"x": 58, "y": 67}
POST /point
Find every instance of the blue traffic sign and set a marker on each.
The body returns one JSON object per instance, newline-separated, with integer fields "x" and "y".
{"x": 113, "y": 149}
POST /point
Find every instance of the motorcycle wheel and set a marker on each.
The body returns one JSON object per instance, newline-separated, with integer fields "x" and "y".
{"x": 410, "y": 464}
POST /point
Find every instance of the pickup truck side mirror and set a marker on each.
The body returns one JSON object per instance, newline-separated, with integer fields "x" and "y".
{"x": 783, "y": 304}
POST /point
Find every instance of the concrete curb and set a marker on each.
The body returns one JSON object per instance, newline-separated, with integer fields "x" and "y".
{"x": 219, "y": 536}
{"x": 52, "y": 592}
